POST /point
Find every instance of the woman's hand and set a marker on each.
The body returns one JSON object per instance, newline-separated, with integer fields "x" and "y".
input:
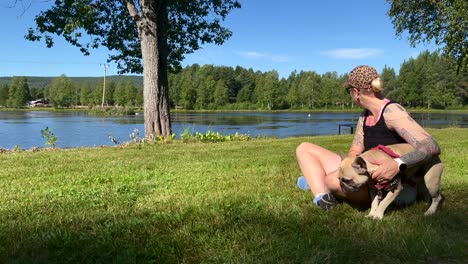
{"x": 386, "y": 171}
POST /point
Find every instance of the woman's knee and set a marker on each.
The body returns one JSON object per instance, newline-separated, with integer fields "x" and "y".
{"x": 305, "y": 147}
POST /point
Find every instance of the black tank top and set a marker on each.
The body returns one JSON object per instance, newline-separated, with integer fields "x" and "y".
{"x": 379, "y": 134}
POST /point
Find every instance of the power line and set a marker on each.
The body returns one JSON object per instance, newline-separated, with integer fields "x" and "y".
{"x": 105, "y": 66}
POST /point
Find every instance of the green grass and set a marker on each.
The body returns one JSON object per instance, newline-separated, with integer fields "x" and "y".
{"x": 230, "y": 202}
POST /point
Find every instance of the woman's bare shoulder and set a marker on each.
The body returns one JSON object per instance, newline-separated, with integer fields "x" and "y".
{"x": 395, "y": 111}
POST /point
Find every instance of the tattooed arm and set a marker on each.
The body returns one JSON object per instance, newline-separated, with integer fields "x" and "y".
{"x": 357, "y": 146}
{"x": 396, "y": 118}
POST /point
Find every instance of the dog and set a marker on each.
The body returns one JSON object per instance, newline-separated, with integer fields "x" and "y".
{"x": 355, "y": 172}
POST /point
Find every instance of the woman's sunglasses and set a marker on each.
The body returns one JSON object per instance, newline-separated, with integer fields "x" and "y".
{"x": 348, "y": 89}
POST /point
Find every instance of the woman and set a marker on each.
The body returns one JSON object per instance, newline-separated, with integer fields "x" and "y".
{"x": 381, "y": 123}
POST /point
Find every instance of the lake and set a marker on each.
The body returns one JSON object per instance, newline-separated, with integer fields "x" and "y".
{"x": 78, "y": 129}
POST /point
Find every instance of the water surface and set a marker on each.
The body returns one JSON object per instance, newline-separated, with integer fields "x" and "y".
{"x": 75, "y": 129}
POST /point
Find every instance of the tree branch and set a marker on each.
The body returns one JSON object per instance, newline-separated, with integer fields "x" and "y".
{"x": 132, "y": 10}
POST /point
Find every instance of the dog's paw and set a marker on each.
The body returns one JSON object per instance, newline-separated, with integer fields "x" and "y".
{"x": 375, "y": 216}
{"x": 436, "y": 202}
{"x": 429, "y": 212}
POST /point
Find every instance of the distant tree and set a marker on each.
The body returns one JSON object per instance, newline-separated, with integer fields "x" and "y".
{"x": 259, "y": 94}
{"x": 130, "y": 93}
{"x": 445, "y": 83}
{"x": 61, "y": 91}
{"x": 18, "y": 93}
{"x": 293, "y": 96}
{"x": 205, "y": 90}
{"x": 267, "y": 90}
{"x": 309, "y": 83}
{"x": 246, "y": 79}
{"x": 174, "y": 92}
{"x": 444, "y": 22}
{"x": 109, "y": 95}
{"x": 431, "y": 80}
{"x": 461, "y": 89}
{"x": 389, "y": 79}
{"x": 228, "y": 75}
{"x": 245, "y": 94}
{"x": 283, "y": 88}
{"x": 408, "y": 84}
{"x": 188, "y": 93}
{"x": 4, "y": 94}
{"x": 119, "y": 94}
{"x": 86, "y": 97}
{"x": 221, "y": 93}
{"x": 36, "y": 93}
{"x": 203, "y": 83}
{"x": 139, "y": 97}
{"x": 155, "y": 34}
{"x": 97, "y": 93}
{"x": 330, "y": 88}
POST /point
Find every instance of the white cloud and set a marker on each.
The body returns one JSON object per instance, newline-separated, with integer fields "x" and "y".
{"x": 252, "y": 54}
{"x": 280, "y": 58}
{"x": 261, "y": 55}
{"x": 363, "y": 53}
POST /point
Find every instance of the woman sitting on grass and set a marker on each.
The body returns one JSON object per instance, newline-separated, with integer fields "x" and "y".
{"x": 382, "y": 122}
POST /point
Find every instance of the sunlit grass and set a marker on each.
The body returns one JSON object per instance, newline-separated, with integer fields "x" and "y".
{"x": 229, "y": 202}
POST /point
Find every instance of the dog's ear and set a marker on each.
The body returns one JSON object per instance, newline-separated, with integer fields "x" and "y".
{"x": 359, "y": 165}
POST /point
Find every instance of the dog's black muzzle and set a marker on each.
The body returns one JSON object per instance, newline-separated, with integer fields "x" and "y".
{"x": 347, "y": 187}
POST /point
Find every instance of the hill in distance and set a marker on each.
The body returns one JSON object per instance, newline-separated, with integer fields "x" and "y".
{"x": 39, "y": 82}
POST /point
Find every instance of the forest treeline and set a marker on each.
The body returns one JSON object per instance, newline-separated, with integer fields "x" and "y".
{"x": 429, "y": 81}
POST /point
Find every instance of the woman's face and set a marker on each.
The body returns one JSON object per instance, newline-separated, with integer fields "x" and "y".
{"x": 356, "y": 93}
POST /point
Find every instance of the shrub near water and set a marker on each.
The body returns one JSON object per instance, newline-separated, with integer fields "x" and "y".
{"x": 229, "y": 202}
{"x": 211, "y": 136}
{"x": 49, "y": 137}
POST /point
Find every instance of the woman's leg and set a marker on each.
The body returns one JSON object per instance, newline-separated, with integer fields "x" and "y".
{"x": 320, "y": 169}
{"x": 316, "y": 163}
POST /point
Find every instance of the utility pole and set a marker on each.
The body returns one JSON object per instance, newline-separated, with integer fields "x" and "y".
{"x": 104, "y": 86}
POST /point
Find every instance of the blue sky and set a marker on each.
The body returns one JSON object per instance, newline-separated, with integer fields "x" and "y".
{"x": 320, "y": 36}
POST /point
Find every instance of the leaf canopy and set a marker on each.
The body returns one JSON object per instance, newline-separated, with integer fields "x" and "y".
{"x": 89, "y": 24}
{"x": 444, "y": 22}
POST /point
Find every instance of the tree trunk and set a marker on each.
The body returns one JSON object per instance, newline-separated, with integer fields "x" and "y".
{"x": 152, "y": 31}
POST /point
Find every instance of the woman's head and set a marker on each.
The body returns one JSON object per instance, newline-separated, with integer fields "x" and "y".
{"x": 364, "y": 77}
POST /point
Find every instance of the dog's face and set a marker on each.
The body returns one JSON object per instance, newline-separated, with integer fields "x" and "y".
{"x": 353, "y": 174}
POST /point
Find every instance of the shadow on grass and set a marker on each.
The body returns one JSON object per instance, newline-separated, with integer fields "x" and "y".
{"x": 236, "y": 230}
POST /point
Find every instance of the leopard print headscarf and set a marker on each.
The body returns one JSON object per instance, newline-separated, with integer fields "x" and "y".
{"x": 361, "y": 76}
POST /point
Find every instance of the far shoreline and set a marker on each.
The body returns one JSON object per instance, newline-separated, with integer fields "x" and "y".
{"x": 173, "y": 110}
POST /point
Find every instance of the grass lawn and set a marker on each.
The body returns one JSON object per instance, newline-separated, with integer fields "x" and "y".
{"x": 230, "y": 202}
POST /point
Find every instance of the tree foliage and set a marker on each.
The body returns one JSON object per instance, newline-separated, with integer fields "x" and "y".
{"x": 61, "y": 92}
{"x": 429, "y": 80}
{"x": 4, "y": 94}
{"x": 444, "y": 22}
{"x": 108, "y": 22}
{"x": 18, "y": 93}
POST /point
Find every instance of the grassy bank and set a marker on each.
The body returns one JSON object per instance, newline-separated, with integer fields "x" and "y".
{"x": 231, "y": 202}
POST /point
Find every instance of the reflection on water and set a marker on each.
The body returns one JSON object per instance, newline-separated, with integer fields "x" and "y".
{"x": 74, "y": 129}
